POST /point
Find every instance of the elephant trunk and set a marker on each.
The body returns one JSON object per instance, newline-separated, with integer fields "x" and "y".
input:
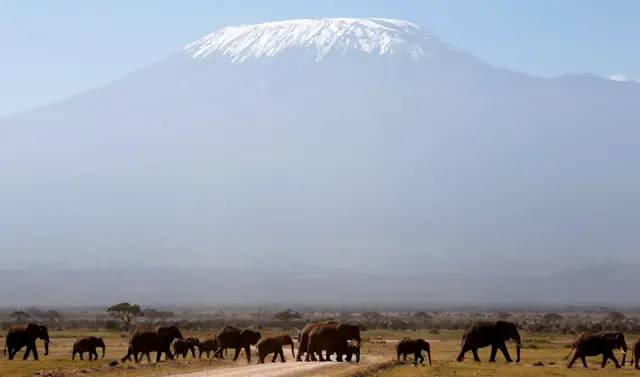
{"x": 292, "y": 351}
{"x": 623, "y": 348}
{"x": 358, "y": 354}
{"x": 518, "y": 345}
{"x": 103, "y": 350}
{"x": 428, "y": 350}
{"x": 46, "y": 348}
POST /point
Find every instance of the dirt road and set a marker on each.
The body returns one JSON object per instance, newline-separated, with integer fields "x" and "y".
{"x": 288, "y": 369}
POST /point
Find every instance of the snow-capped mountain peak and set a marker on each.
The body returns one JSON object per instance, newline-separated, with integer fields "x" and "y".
{"x": 319, "y": 37}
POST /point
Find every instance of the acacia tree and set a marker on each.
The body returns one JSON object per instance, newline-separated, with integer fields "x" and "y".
{"x": 20, "y": 316}
{"x": 125, "y": 312}
{"x": 287, "y": 315}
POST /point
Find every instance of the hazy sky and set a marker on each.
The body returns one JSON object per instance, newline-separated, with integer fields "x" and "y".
{"x": 53, "y": 49}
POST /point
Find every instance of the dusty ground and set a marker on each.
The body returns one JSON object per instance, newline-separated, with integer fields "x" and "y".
{"x": 286, "y": 369}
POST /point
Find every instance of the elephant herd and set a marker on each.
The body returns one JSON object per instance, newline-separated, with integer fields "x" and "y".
{"x": 314, "y": 339}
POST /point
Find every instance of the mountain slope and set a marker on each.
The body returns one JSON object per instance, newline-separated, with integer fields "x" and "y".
{"x": 260, "y": 146}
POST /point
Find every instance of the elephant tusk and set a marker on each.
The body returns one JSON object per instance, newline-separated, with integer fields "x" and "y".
{"x": 624, "y": 353}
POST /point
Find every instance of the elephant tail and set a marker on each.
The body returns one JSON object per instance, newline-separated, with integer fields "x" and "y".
{"x": 572, "y": 348}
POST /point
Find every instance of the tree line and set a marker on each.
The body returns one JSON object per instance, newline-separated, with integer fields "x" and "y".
{"x": 122, "y": 316}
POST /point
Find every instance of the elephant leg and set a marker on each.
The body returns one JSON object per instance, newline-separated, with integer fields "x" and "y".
{"x": 611, "y": 356}
{"x": 282, "y": 355}
{"x": 320, "y": 358}
{"x": 503, "y": 348}
{"x": 11, "y": 353}
{"x": 475, "y": 354}
{"x": 310, "y": 356}
{"x": 235, "y": 356}
{"x": 605, "y": 357}
{"x": 303, "y": 346}
{"x": 95, "y": 355}
{"x": 311, "y": 352}
{"x": 418, "y": 356}
{"x": 247, "y": 350}
{"x": 494, "y": 350}
{"x": 339, "y": 352}
{"x": 82, "y": 356}
{"x": 32, "y": 348}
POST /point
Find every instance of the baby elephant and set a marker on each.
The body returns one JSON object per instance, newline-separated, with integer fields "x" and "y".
{"x": 207, "y": 346}
{"x": 635, "y": 352}
{"x": 273, "y": 344}
{"x": 196, "y": 343}
{"x": 180, "y": 347}
{"x": 353, "y": 348}
{"x": 414, "y": 346}
{"x": 88, "y": 344}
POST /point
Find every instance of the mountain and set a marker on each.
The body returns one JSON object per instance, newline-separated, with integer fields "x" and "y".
{"x": 347, "y": 147}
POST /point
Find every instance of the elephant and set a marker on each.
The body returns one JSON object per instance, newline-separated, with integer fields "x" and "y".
{"x": 152, "y": 340}
{"x": 332, "y": 338}
{"x": 183, "y": 346}
{"x": 25, "y": 335}
{"x": 596, "y": 343}
{"x": 233, "y": 337}
{"x": 88, "y": 344}
{"x": 494, "y": 334}
{"x": 208, "y": 346}
{"x": 352, "y": 348}
{"x": 273, "y": 344}
{"x": 635, "y": 352}
{"x": 415, "y": 346}
{"x": 193, "y": 340}
{"x": 303, "y": 337}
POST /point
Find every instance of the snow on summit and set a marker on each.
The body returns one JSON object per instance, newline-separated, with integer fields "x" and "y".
{"x": 370, "y": 35}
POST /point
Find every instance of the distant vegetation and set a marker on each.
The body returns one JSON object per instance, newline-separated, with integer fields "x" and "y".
{"x": 122, "y": 316}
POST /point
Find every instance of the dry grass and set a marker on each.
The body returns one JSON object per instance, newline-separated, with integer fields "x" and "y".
{"x": 59, "y": 363}
{"x": 445, "y": 347}
{"x": 550, "y": 350}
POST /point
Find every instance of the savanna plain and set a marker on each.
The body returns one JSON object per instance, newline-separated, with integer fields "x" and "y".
{"x": 546, "y": 339}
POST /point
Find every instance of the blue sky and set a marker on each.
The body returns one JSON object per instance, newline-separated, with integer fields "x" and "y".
{"x": 53, "y": 49}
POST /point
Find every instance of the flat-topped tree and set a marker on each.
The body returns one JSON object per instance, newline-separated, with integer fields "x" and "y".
{"x": 125, "y": 312}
